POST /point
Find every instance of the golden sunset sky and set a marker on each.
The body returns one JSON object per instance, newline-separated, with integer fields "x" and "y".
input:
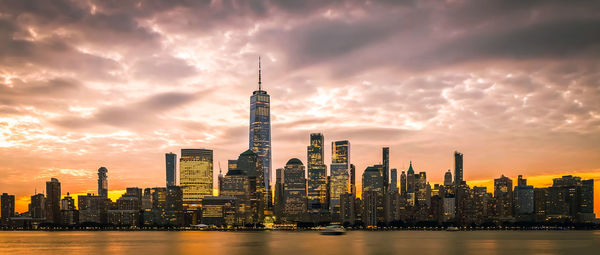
{"x": 513, "y": 85}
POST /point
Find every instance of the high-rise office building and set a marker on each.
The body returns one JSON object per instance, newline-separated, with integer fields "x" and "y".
{"x": 410, "y": 179}
{"x": 67, "y": 203}
{"x": 279, "y": 200}
{"x": 385, "y": 153}
{"x": 317, "y": 173}
{"x": 524, "y": 200}
{"x": 458, "y": 168}
{"x": 448, "y": 178}
{"x": 68, "y": 214}
{"x": 196, "y": 175}
{"x": 394, "y": 181}
{"x": 260, "y": 130}
{"x": 37, "y": 206}
{"x": 250, "y": 166}
{"x": 421, "y": 189}
{"x": 403, "y": 184}
{"x": 102, "y": 182}
{"x": 53, "y": 201}
{"x": 503, "y": 193}
{"x": 586, "y": 201}
{"x": 294, "y": 190}
{"x": 171, "y": 168}
{"x": 7, "y": 203}
{"x": 373, "y": 200}
{"x": 340, "y": 164}
{"x": 353, "y": 179}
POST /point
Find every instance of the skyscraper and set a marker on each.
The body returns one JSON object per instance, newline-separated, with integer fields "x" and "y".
{"x": 317, "y": 173}
{"x": 340, "y": 164}
{"x": 260, "y": 130}
{"x": 403, "y": 183}
{"x": 53, "y": 201}
{"x": 458, "y": 168}
{"x": 37, "y": 206}
{"x": 523, "y": 200}
{"x": 373, "y": 201}
{"x": 448, "y": 178}
{"x": 386, "y": 168}
{"x": 171, "y": 167}
{"x": 394, "y": 182}
{"x": 8, "y": 207}
{"x": 196, "y": 174}
{"x": 503, "y": 193}
{"x": 102, "y": 182}
{"x": 294, "y": 190}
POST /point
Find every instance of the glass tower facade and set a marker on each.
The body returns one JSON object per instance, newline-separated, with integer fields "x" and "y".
{"x": 317, "y": 173}
{"x": 171, "y": 159}
{"x": 260, "y": 131}
{"x": 340, "y": 164}
{"x": 196, "y": 174}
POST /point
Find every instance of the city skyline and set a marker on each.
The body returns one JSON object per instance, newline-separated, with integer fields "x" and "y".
{"x": 130, "y": 94}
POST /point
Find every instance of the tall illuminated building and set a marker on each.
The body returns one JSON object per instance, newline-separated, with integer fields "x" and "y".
{"x": 372, "y": 192}
{"x": 196, "y": 175}
{"x": 503, "y": 193}
{"x": 171, "y": 168}
{"x": 448, "y": 178}
{"x": 340, "y": 164}
{"x": 294, "y": 190}
{"x": 260, "y": 130}
{"x": 102, "y": 182}
{"x": 317, "y": 173}
{"x": 458, "y": 168}
{"x": 53, "y": 201}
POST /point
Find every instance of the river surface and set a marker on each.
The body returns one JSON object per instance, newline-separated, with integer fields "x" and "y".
{"x": 307, "y": 243}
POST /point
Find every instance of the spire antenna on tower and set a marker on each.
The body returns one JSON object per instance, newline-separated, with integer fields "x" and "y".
{"x": 259, "y": 78}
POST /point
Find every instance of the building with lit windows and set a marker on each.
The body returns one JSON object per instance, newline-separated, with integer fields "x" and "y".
{"x": 340, "y": 166}
{"x": 503, "y": 193}
{"x": 196, "y": 175}
{"x": 294, "y": 190}
{"x": 260, "y": 131}
{"x": 317, "y": 174}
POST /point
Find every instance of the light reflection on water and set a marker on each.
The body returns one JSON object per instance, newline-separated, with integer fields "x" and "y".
{"x": 287, "y": 243}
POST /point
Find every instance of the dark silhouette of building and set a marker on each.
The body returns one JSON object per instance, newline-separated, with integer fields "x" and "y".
{"x": 458, "y": 168}
{"x": 171, "y": 168}
{"x": 102, "y": 182}
{"x": 53, "y": 201}
{"x": 7, "y": 203}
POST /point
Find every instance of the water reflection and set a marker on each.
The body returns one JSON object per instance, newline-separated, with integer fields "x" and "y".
{"x": 287, "y": 243}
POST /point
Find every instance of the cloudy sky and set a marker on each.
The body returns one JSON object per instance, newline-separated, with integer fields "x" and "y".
{"x": 514, "y": 85}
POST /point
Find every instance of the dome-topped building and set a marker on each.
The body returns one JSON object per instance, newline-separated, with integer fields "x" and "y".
{"x": 294, "y": 161}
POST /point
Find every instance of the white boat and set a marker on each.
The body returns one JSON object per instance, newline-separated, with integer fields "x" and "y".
{"x": 333, "y": 230}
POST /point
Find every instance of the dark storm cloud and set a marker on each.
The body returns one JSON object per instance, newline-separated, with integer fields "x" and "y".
{"x": 140, "y": 115}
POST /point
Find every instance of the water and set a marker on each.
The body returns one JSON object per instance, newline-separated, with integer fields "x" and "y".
{"x": 287, "y": 243}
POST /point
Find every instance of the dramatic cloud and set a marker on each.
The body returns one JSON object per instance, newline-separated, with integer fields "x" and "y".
{"x": 514, "y": 85}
